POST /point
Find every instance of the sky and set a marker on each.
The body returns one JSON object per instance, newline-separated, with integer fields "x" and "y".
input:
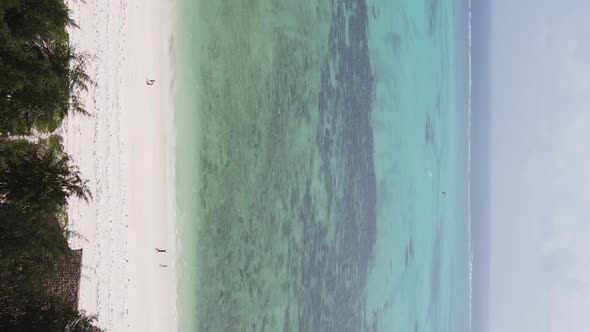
{"x": 540, "y": 166}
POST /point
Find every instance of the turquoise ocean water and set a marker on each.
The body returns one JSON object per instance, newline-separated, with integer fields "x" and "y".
{"x": 322, "y": 165}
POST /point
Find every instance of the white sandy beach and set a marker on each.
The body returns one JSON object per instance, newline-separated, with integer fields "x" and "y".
{"x": 126, "y": 151}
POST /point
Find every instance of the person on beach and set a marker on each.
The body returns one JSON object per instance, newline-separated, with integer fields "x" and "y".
{"x": 160, "y": 250}
{"x": 149, "y": 82}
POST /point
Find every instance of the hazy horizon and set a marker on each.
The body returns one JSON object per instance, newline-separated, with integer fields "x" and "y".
{"x": 530, "y": 90}
{"x": 480, "y": 159}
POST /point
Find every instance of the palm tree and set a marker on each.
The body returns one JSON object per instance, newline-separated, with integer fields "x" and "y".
{"x": 38, "y": 176}
{"x": 81, "y": 322}
{"x": 43, "y": 74}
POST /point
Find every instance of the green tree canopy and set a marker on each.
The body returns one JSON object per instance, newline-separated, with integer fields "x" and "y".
{"x": 38, "y": 177}
{"x": 40, "y": 74}
{"x": 51, "y": 320}
{"x": 40, "y": 80}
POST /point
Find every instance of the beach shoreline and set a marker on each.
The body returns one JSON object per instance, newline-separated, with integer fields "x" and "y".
{"x": 125, "y": 149}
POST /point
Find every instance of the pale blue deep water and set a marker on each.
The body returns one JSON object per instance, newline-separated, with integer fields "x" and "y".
{"x": 420, "y": 56}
